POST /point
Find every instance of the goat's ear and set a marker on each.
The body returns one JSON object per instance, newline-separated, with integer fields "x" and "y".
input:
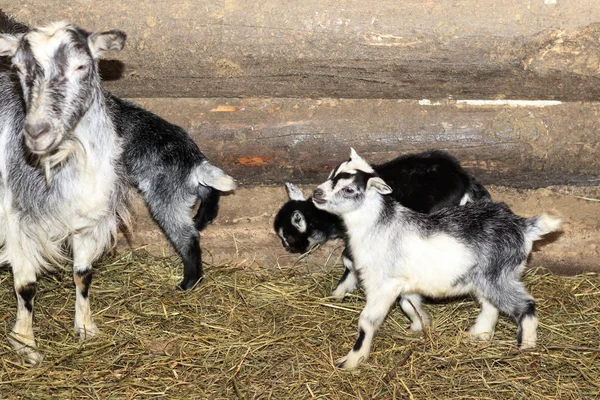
{"x": 101, "y": 42}
{"x": 379, "y": 185}
{"x": 9, "y": 44}
{"x": 293, "y": 192}
{"x": 298, "y": 221}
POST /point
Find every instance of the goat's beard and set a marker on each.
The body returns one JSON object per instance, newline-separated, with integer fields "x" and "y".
{"x": 57, "y": 158}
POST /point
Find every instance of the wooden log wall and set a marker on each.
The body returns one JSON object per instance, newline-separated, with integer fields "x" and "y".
{"x": 265, "y": 141}
{"x": 407, "y": 49}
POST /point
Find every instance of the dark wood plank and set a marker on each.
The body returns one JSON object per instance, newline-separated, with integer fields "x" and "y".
{"x": 344, "y": 49}
{"x": 269, "y": 141}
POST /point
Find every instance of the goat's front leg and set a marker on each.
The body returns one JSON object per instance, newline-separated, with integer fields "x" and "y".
{"x": 348, "y": 281}
{"x": 85, "y": 251}
{"x": 371, "y": 317}
{"x": 21, "y": 337}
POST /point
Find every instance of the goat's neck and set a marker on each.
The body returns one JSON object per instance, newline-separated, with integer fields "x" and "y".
{"x": 95, "y": 128}
{"x": 365, "y": 218}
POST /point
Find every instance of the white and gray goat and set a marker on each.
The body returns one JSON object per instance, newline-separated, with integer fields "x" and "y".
{"x": 479, "y": 248}
{"x": 163, "y": 162}
{"x": 425, "y": 182}
{"x": 61, "y": 181}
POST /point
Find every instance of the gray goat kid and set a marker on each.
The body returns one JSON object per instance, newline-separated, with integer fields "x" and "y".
{"x": 61, "y": 181}
{"x": 479, "y": 248}
{"x": 165, "y": 164}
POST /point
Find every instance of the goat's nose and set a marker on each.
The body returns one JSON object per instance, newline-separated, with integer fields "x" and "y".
{"x": 318, "y": 194}
{"x": 35, "y": 130}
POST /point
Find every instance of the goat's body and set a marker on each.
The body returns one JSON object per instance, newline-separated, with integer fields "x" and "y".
{"x": 82, "y": 195}
{"x": 172, "y": 174}
{"x": 62, "y": 186}
{"x": 447, "y": 253}
{"x": 479, "y": 248}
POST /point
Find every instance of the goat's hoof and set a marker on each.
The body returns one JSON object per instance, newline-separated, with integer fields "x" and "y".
{"x": 31, "y": 356}
{"x": 188, "y": 284}
{"x": 87, "y": 332}
{"x": 485, "y": 336}
{"x": 527, "y": 345}
{"x": 26, "y": 347}
{"x": 350, "y": 362}
{"x": 338, "y": 296}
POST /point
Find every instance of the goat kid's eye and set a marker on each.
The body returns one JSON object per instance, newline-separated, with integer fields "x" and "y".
{"x": 348, "y": 190}
{"x": 82, "y": 68}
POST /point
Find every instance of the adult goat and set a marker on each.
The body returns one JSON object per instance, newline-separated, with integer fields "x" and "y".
{"x": 61, "y": 181}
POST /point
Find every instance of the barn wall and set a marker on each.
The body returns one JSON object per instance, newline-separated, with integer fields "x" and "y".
{"x": 524, "y": 49}
{"x": 276, "y": 90}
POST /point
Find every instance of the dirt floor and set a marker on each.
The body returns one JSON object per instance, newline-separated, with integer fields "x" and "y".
{"x": 243, "y": 229}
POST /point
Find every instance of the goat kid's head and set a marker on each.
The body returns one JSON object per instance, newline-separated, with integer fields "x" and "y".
{"x": 58, "y": 70}
{"x": 348, "y": 186}
{"x": 290, "y": 222}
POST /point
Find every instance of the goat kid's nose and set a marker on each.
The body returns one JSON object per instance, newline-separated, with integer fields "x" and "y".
{"x": 318, "y": 194}
{"x": 36, "y": 130}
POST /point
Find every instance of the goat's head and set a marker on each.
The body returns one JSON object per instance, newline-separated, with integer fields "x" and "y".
{"x": 290, "y": 222}
{"x": 348, "y": 185}
{"x": 58, "y": 70}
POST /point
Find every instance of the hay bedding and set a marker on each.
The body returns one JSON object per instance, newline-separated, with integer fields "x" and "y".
{"x": 253, "y": 332}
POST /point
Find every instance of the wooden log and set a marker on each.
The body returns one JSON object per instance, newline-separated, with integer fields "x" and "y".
{"x": 349, "y": 49}
{"x": 269, "y": 141}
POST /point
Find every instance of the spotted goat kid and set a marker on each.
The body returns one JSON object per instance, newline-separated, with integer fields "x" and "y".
{"x": 61, "y": 180}
{"x": 479, "y": 248}
{"x": 425, "y": 182}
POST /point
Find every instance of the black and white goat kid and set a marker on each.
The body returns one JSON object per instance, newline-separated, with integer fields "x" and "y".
{"x": 61, "y": 181}
{"x": 165, "y": 164}
{"x": 424, "y": 182}
{"x": 479, "y": 248}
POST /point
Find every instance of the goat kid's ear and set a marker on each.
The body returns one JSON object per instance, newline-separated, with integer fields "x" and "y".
{"x": 298, "y": 221}
{"x": 293, "y": 192}
{"x": 9, "y": 44}
{"x": 379, "y": 185}
{"x": 101, "y": 42}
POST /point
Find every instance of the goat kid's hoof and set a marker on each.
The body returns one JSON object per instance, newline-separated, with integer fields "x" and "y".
{"x": 349, "y": 362}
{"x": 189, "y": 284}
{"x": 483, "y": 336}
{"x": 338, "y": 296}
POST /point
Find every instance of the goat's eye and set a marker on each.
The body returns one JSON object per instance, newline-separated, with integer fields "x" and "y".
{"x": 82, "y": 67}
{"x": 348, "y": 190}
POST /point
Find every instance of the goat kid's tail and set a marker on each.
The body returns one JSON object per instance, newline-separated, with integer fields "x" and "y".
{"x": 212, "y": 182}
{"x": 211, "y": 176}
{"x": 541, "y": 225}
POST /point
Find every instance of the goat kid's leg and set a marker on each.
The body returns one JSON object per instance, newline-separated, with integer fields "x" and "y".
{"x": 192, "y": 263}
{"x": 348, "y": 281}
{"x": 511, "y": 297}
{"x": 21, "y": 338}
{"x": 484, "y": 326}
{"x": 173, "y": 216}
{"x": 411, "y": 305}
{"x": 84, "y": 252}
{"x": 527, "y": 329}
{"x": 371, "y": 317}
